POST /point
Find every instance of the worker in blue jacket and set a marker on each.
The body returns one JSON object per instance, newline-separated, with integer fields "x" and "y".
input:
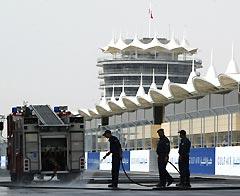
{"x": 183, "y": 161}
{"x": 163, "y": 149}
{"x": 116, "y": 151}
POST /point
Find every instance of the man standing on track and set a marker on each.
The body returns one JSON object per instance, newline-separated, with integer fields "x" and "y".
{"x": 183, "y": 161}
{"x": 163, "y": 149}
{"x": 116, "y": 151}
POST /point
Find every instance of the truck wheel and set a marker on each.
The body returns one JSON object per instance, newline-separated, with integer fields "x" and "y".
{"x": 73, "y": 176}
{"x": 27, "y": 178}
{"x": 13, "y": 177}
{"x": 62, "y": 177}
{"x": 68, "y": 177}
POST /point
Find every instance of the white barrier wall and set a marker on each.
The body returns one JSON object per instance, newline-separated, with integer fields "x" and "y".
{"x": 227, "y": 161}
{"x": 3, "y": 162}
{"x": 86, "y": 159}
{"x": 139, "y": 160}
{"x": 105, "y": 164}
{"x": 211, "y": 161}
{"x": 173, "y": 158}
{"x": 153, "y": 161}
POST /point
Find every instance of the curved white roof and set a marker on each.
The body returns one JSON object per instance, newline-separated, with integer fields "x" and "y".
{"x": 161, "y": 96}
{"x": 169, "y": 92}
{"x": 232, "y": 67}
{"x": 111, "y": 47}
{"x": 173, "y": 43}
{"x": 229, "y": 81}
{"x": 131, "y": 103}
{"x": 141, "y": 90}
{"x": 209, "y": 82}
{"x": 120, "y": 44}
{"x": 153, "y": 85}
{"x": 136, "y": 44}
{"x": 154, "y": 45}
{"x": 231, "y": 77}
{"x": 93, "y": 112}
{"x": 85, "y": 113}
{"x": 185, "y": 45}
{"x": 117, "y": 106}
{"x": 184, "y": 90}
{"x": 143, "y": 98}
{"x": 103, "y": 107}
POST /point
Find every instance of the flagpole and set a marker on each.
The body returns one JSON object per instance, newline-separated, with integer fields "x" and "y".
{"x": 149, "y": 27}
{"x": 149, "y": 20}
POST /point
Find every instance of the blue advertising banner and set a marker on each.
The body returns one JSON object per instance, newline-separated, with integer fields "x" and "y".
{"x": 126, "y": 161}
{"x": 93, "y": 161}
{"x": 202, "y": 161}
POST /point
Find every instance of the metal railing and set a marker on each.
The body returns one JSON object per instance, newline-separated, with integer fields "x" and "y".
{"x": 146, "y": 57}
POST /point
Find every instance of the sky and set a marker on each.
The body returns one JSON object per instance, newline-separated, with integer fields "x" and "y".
{"x": 49, "y": 48}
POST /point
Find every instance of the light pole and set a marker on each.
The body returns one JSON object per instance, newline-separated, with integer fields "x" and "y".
{"x": 2, "y": 139}
{"x": 2, "y": 118}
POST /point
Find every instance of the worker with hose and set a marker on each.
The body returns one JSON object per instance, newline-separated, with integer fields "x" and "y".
{"x": 116, "y": 151}
{"x": 163, "y": 149}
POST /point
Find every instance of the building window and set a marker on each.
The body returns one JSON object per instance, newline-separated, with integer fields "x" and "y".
{"x": 139, "y": 136}
{"x": 132, "y": 138}
{"x": 210, "y": 139}
{"x": 223, "y": 138}
{"x": 125, "y": 139}
{"x": 236, "y": 138}
{"x": 149, "y": 114}
{"x": 197, "y": 140}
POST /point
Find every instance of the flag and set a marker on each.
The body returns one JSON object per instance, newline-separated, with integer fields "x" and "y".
{"x": 151, "y": 15}
{"x": 150, "y": 11}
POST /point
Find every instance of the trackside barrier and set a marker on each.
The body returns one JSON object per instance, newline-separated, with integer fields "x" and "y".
{"x": 106, "y": 164}
{"x": 227, "y": 161}
{"x": 202, "y": 161}
{"x": 93, "y": 159}
{"x": 140, "y": 160}
{"x": 125, "y": 161}
{"x": 208, "y": 161}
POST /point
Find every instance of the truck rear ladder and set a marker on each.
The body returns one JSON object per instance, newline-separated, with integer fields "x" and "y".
{"x": 47, "y": 116}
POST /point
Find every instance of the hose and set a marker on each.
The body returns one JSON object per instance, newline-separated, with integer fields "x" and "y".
{"x": 131, "y": 180}
{"x": 174, "y": 167}
{"x": 145, "y": 185}
{"x": 54, "y": 173}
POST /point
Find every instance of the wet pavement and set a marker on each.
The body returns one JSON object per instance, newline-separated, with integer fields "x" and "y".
{"x": 96, "y": 183}
{"x": 58, "y": 192}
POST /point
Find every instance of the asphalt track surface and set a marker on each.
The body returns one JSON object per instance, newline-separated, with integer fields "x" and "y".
{"x": 94, "y": 184}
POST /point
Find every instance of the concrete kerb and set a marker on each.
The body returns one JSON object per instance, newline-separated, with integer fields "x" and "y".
{"x": 119, "y": 189}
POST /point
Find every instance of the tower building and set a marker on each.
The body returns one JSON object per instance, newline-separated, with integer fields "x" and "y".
{"x": 126, "y": 59}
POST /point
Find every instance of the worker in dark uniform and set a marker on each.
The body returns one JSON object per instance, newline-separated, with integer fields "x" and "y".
{"x": 116, "y": 151}
{"x": 183, "y": 162}
{"x": 163, "y": 149}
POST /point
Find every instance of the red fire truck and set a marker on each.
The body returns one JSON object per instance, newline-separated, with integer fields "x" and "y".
{"x": 42, "y": 141}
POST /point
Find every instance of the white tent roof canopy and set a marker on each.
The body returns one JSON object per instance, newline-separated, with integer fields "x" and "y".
{"x": 184, "y": 90}
{"x": 154, "y": 45}
{"x": 170, "y": 92}
{"x": 209, "y": 82}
